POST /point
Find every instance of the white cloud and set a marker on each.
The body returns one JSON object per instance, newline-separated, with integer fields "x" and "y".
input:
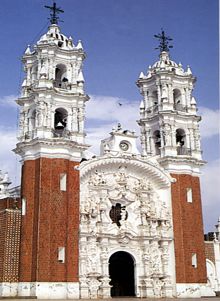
{"x": 105, "y": 112}
{"x": 210, "y": 123}
{"x": 9, "y": 101}
{"x": 9, "y": 161}
{"x": 110, "y": 109}
{"x": 210, "y": 186}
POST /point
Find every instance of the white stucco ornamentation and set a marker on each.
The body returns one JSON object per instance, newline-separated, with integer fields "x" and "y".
{"x": 53, "y": 99}
{"x": 169, "y": 120}
{"x": 120, "y": 210}
{"x": 4, "y": 183}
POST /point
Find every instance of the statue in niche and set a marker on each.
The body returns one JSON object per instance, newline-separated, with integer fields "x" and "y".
{"x": 97, "y": 179}
{"x": 142, "y": 185}
{"x": 165, "y": 226}
{"x": 40, "y": 113}
{"x": 48, "y": 114}
{"x": 197, "y": 139}
{"x": 149, "y": 187}
{"x": 146, "y": 256}
{"x": 93, "y": 262}
{"x": 94, "y": 206}
{"x": 93, "y": 287}
{"x": 104, "y": 253}
{"x": 164, "y": 92}
{"x": 144, "y": 208}
{"x": 22, "y": 122}
{"x": 85, "y": 208}
{"x": 152, "y": 208}
{"x": 153, "y": 227}
{"x": 74, "y": 126}
{"x": 146, "y": 260}
{"x": 167, "y": 134}
{"x": 157, "y": 285}
{"x": 121, "y": 177}
{"x": 165, "y": 258}
{"x": 124, "y": 215}
{"x": 81, "y": 117}
{"x": 103, "y": 206}
{"x": 164, "y": 213}
{"x": 43, "y": 73}
{"x": 156, "y": 265}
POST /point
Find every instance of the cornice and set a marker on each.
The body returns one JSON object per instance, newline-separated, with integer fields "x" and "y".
{"x": 141, "y": 165}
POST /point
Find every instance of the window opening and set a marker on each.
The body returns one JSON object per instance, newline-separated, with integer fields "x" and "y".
{"x": 181, "y": 142}
{"x": 177, "y": 100}
{"x": 63, "y": 181}
{"x": 189, "y": 195}
{"x": 60, "y": 44}
{"x": 157, "y": 141}
{"x": 118, "y": 213}
{"x": 61, "y": 254}
{"x": 23, "y": 206}
{"x": 61, "y": 80}
{"x": 194, "y": 260}
{"x": 60, "y": 121}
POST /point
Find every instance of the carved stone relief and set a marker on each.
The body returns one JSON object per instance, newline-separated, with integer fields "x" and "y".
{"x": 119, "y": 210}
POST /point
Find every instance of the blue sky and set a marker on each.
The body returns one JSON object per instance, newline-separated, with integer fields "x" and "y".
{"x": 118, "y": 38}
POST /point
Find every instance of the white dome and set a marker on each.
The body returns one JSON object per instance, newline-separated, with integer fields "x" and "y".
{"x": 165, "y": 62}
{"x": 53, "y": 36}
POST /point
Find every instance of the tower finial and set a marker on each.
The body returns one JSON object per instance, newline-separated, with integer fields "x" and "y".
{"x": 164, "y": 41}
{"x": 54, "y": 11}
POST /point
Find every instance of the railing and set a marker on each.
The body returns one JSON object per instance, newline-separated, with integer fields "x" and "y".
{"x": 153, "y": 109}
{"x": 180, "y": 107}
{"x": 61, "y": 84}
{"x": 184, "y": 151}
{"x": 61, "y": 133}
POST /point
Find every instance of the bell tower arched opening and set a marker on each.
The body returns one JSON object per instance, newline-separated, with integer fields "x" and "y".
{"x": 157, "y": 142}
{"x": 121, "y": 273}
{"x": 177, "y": 99}
{"x": 60, "y": 121}
{"x": 181, "y": 142}
{"x": 61, "y": 80}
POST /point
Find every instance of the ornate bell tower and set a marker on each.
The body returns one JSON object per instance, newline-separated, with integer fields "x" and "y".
{"x": 170, "y": 132}
{"x": 51, "y": 144}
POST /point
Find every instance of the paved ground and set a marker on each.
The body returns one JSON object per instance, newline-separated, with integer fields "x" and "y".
{"x": 124, "y": 299}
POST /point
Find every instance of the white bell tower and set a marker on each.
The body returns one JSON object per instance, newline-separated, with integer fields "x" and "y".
{"x": 170, "y": 133}
{"x": 168, "y": 113}
{"x": 51, "y": 145}
{"x": 53, "y": 98}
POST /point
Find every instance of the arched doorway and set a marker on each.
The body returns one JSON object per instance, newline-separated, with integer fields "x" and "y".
{"x": 121, "y": 273}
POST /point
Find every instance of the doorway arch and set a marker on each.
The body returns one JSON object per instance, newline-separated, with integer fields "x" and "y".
{"x": 121, "y": 273}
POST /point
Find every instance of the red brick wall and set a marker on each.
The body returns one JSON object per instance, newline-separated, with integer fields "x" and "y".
{"x": 188, "y": 230}
{"x": 51, "y": 221}
{"x": 10, "y": 222}
{"x": 2, "y": 242}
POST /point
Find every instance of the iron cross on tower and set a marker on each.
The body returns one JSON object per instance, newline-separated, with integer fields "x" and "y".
{"x": 164, "y": 41}
{"x": 54, "y": 11}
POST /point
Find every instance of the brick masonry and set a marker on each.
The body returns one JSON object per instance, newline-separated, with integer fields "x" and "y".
{"x": 51, "y": 221}
{"x": 188, "y": 230}
{"x": 10, "y": 224}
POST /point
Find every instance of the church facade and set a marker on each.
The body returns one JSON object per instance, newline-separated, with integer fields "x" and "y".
{"x": 125, "y": 223}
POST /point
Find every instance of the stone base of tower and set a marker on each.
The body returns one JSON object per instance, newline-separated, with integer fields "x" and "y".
{"x": 71, "y": 290}
{"x": 194, "y": 290}
{"x": 41, "y": 290}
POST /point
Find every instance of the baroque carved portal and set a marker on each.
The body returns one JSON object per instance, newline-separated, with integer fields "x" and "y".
{"x": 122, "y": 214}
